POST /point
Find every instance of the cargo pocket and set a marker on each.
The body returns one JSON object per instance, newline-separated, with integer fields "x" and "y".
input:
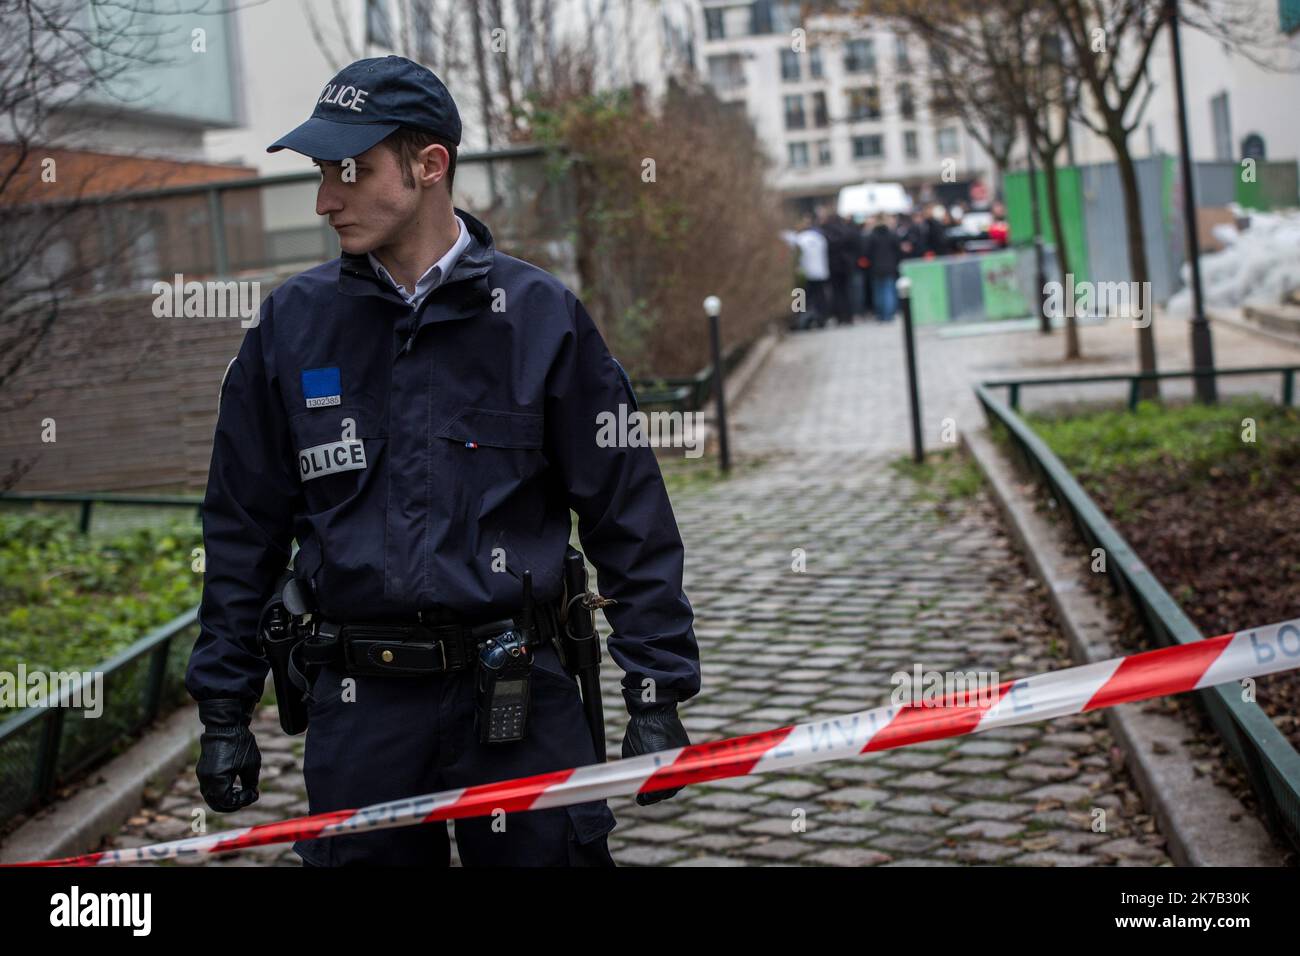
{"x": 591, "y": 824}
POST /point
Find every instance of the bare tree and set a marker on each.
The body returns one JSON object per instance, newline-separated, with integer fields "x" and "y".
{"x": 65, "y": 75}
{"x": 994, "y": 67}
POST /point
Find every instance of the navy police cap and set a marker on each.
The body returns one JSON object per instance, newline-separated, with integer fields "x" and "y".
{"x": 365, "y": 102}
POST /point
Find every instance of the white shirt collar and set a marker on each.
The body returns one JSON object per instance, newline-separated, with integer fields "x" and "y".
{"x": 435, "y": 274}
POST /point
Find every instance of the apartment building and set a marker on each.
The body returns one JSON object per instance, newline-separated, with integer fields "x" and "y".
{"x": 838, "y": 99}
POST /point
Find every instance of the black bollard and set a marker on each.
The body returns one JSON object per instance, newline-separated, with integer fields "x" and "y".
{"x": 909, "y": 346}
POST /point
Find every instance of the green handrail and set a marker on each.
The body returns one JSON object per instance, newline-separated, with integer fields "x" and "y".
{"x": 88, "y": 501}
{"x": 1271, "y": 764}
{"x": 49, "y": 719}
{"x": 1134, "y": 380}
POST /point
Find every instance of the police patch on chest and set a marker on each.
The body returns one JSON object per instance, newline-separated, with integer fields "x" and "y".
{"x": 321, "y": 460}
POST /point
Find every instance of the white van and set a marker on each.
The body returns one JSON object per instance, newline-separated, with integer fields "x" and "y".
{"x": 865, "y": 200}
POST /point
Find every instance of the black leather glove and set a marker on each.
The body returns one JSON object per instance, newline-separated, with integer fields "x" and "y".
{"x": 229, "y": 750}
{"x": 652, "y": 727}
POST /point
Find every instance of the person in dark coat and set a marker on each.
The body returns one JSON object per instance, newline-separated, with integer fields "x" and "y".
{"x": 883, "y": 253}
{"x": 841, "y": 239}
{"x": 421, "y": 415}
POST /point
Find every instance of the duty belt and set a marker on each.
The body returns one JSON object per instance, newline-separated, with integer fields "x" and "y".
{"x": 412, "y": 648}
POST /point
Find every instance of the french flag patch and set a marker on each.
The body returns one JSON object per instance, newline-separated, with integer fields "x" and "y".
{"x": 320, "y": 387}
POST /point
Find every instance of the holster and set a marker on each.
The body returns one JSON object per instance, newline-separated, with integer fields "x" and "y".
{"x": 280, "y": 641}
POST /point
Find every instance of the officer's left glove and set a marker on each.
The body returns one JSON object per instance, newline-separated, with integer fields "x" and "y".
{"x": 652, "y": 727}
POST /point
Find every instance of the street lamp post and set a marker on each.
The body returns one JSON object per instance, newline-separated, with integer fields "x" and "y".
{"x": 713, "y": 308}
{"x": 1202, "y": 345}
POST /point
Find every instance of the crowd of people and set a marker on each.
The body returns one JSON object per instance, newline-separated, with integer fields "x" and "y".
{"x": 848, "y": 269}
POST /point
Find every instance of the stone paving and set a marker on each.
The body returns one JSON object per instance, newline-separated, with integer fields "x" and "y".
{"x": 891, "y": 577}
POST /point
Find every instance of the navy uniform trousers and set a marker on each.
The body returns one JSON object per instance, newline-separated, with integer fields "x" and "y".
{"x": 407, "y": 736}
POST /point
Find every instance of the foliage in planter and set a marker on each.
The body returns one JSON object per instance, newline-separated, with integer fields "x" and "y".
{"x": 70, "y": 601}
{"x": 1183, "y": 446}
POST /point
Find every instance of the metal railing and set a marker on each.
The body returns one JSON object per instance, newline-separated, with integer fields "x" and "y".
{"x": 687, "y": 393}
{"x": 264, "y": 225}
{"x": 1270, "y": 762}
{"x": 45, "y": 746}
{"x": 1135, "y": 380}
{"x": 88, "y": 502}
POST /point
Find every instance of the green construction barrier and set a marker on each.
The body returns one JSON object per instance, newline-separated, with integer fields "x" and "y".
{"x": 1001, "y": 286}
{"x": 929, "y": 291}
{"x": 1274, "y": 186}
{"x": 1069, "y": 188}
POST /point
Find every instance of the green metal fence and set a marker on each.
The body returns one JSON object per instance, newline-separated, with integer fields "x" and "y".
{"x": 688, "y": 393}
{"x": 44, "y": 747}
{"x": 86, "y": 503}
{"x": 1269, "y": 761}
{"x": 1135, "y": 380}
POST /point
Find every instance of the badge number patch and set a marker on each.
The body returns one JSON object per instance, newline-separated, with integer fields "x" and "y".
{"x": 330, "y": 458}
{"x": 321, "y": 387}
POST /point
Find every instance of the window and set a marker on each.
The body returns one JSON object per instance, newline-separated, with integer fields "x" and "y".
{"x": 786, "y": 16}
{"x": 760, "y": 17}
{"x": 422, "y": 16}
{"x": 906, "y": 104}
{"x": 815, "y": 62}
{"x": 713, "y": 25}
{"x": 798, "y": 155}
{"x": 378, "y": 31}
{"x": 943, "y": 98}
{"x": 789, "y": 65}
{"x": 864, "y": 103}
{"x": 945, "y": 141}
{"x": 1222, "y": 121}
{"x": 911, "y": 149}
{"x": 901, "y": 61}
{"x": 794, "y": 116}
{"x": 726, "y": 72}
{"x": 859, "y": 56}
{"x": 821, "y": 118}
{"x": 871, "y": 146}
{"x": 823, "y": 152}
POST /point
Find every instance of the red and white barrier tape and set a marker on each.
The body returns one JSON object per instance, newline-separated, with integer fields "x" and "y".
{"x": 1073, "y": 690}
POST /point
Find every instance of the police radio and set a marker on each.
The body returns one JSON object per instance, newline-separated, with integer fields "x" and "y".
{"x": 505, "y": 664}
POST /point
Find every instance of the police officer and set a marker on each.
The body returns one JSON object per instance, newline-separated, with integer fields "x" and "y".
{"x": 420, "y": 414}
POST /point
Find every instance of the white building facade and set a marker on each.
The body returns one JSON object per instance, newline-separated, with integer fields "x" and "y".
{"x": 837, "y": 100}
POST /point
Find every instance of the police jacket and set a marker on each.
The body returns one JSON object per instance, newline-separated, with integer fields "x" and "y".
{"x": 424, "y": 458}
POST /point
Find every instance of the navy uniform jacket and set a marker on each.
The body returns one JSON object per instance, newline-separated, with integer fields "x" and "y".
{"x": 424, "y": 459}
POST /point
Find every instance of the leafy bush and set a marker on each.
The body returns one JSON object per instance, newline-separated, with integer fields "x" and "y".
{"x": 70, "y": 601}
{"x": 672, "y": 206}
